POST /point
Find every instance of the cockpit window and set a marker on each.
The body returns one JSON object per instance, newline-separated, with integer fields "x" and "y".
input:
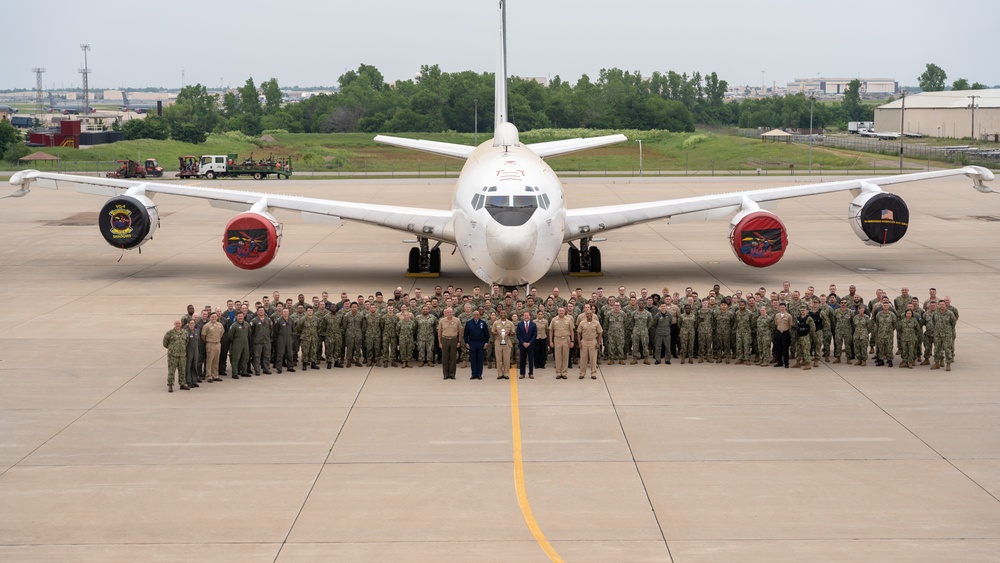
{"x": 512, "y": 211}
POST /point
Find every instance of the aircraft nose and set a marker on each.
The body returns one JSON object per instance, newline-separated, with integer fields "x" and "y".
{"x": 511, "y": 248}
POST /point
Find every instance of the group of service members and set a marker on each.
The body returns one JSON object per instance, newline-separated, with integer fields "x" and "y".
{"x": 499, "y": 329}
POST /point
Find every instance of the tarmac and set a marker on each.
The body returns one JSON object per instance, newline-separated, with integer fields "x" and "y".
{"x": 683, "y": 463}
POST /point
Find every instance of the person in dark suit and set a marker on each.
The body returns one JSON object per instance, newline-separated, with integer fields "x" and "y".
{"x": 527, "y": 331}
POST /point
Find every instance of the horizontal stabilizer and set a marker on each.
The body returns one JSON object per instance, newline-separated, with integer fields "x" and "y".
{"x": 566, "y": 146}
{"x": 452, "y": 150}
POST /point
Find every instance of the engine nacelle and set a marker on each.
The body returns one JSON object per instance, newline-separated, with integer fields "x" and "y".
{"x": 251, "y": 240}
{"x": 758, "y": 238}
{"x": 879, "y": 218}
{"x": 128, "y": 221}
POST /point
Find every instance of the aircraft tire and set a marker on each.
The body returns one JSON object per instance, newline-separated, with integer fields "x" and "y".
{"x": 413, "y": 264}
{"x": 595, "y": 259}
{"x": 435, "y": 262}
{"x": 574, "y": 260}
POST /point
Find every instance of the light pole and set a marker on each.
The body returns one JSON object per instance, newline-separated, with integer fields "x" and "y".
{"x": 973, "y": 106}
{"x": 812, "y": 101}
{"x": 640, "y": 156}
{"x": 475, "y": 136}
{"x": 902, "y": 112}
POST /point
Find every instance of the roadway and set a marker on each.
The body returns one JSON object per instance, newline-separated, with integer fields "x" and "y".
{"x": 698, "y": 462}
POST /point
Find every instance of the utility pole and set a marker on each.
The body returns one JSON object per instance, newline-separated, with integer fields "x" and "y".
{"x": 640, "y": 156}
{"x": 812, "y": 100}
{"x": 475, "y": 135}
{"x": 902, "y": 110}
{"x": 38, "y": 87}
{"x": 973, "y": 106}
{"x": 85, "y": 71}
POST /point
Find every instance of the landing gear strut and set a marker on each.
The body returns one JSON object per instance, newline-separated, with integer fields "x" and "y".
{"x": 424, "y": 261}
{"x": 585, "y": 260}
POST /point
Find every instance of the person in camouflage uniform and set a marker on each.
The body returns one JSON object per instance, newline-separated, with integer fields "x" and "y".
{"x": 641, "y": 321}
{"x": 615, "y": 334}
{"x": 463, "y": 353}
{"x": 826, "y": 315}
{"x": 706, "y": 330}
{"x": 843, "y": 334}
{"x": 261, "y": 330}
{"x": 373, "y": 336}
{"x": 862, "y": 325}
{"x": 175, "y": 341}
{"x": 426, "y": 328}
{"x": 407, "y": 329}
{"x": 723, "y": 330}
{"x": 309, "y": 339}
{"x": 909, "y": 334}
{"x": 390, "y": 336}
{"x": 688, "y": 327}
{"x": 354, "y": 336}
{"x": 885, "y": 329}
{"x": 765, "y": 333}
{"x": 298, "y": 315}
{"x": 804, "y": 328}
{"x": 942, "y": 324}
{"x": 816, "y": 338}
{"x": 744, "y": 333}
{"x": 333, "y": 328}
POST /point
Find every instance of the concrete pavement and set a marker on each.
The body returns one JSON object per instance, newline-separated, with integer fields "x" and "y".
{"x": 698, "y": 462}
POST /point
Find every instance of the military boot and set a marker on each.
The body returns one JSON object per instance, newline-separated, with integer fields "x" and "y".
{"x": 690, "y": 360}
{"x": 947, "y": 366}
{"x": 937, "y": 365}
{"x": 815, "y": 362}
{"x": 701, "y": 360}
{"x": 314, "y": 366}
{"x": 739, "y": 362}
{"x": 806, "y": 366}
{"x": 926, "y": 362}
{"x": 645, "y": 360}
{"x": 329, "y": 365}
{"x": 890, "y": 363}
{"x": 727, "y": 360}
{"x": 634, "y": 361}
{"x": 836, "y": 360}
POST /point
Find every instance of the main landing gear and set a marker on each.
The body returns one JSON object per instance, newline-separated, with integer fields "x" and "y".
{"x": 585, "y": 260}
{"x": 424, "y": 261}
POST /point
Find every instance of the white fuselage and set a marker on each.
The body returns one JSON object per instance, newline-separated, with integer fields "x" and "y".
{"x": 509, "y": 215}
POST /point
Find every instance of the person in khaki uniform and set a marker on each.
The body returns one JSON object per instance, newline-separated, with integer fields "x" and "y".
{"x": 503, "y": 333}
{"x": 212, "y": 334}
{"x": 449, "y": 332}
{"x": 561, "y": 339}
{"x": 542, "y": 341}
{"x": 589, "y": 335}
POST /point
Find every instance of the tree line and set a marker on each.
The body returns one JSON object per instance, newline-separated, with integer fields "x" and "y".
{"x": 437, "y": 101}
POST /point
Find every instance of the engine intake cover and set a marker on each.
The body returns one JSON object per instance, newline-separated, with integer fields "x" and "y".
{"x": 251, "y": 240}
{"x": 127, "y": 222}
{"x": 879, "y": 218}
{"x": 758, "y": 238}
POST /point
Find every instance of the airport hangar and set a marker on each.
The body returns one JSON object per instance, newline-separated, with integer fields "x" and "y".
{"x": 944, "y": 114}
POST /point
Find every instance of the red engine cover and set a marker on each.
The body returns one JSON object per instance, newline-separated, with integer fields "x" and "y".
{"x": 250, "y": 241}
{"x": 759, "y": 239}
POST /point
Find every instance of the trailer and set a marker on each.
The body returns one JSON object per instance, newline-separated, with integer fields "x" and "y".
{"x": 230, "y": 166}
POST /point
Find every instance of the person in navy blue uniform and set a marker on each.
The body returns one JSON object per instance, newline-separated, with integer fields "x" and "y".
{"x": 527, "y": 331}
{"x": 476, "y": 334}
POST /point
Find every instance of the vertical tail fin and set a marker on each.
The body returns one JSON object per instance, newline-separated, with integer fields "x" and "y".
{"x": 500, "y": 101}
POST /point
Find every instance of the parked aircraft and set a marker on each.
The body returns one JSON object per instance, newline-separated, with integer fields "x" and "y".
{"x": 508, "y": 218}
{"x": 138, "y": 107}
{"x": 66, "y": 108}
{"x": 8, "y": 110}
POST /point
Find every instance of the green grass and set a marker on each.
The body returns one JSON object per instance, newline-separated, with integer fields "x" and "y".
{"x": 334, "y": 154}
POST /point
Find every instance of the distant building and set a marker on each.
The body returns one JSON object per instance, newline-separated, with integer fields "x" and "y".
{"x": 944, "y": 114}
{"x": 837, "y": 86}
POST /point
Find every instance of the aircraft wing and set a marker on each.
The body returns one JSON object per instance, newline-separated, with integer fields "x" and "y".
{"x": 566, "y": 146}
{"x": 452, "y": 150}
{"x": 435, "y": 224}
{"x": 585, "y": 222}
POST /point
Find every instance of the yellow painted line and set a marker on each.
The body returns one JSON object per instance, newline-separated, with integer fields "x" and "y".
{"x": 522, "y": 493}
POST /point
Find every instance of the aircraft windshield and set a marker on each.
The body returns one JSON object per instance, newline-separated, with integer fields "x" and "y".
{"x": 511, "y": 211}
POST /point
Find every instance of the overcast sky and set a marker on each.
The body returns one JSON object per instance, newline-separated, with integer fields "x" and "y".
{"x": 312, "y": 42}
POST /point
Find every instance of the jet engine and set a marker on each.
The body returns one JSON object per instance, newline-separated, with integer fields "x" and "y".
{"x": 758, "y": 238}
{"x": 251, "y": 240}
{"x": 128, "y": 221}
{"x": 879, "y": 218}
